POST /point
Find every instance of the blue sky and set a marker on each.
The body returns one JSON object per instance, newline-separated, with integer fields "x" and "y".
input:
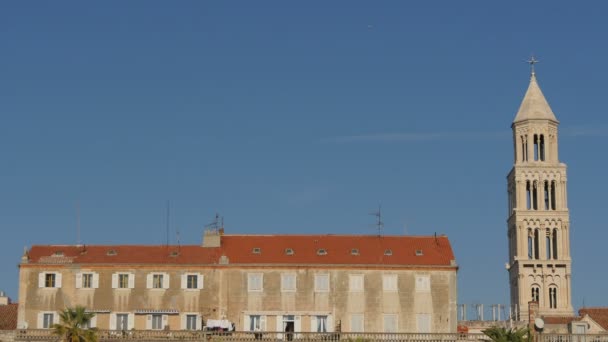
{"x": 294, "y": 117}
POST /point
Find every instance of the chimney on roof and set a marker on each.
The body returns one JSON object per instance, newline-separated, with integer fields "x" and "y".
{"x": 4, "y": 300}
{"x": 212, "y": 237}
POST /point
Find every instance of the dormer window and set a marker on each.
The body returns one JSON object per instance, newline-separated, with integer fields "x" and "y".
{"x": 354, "y": 251}
{"x": 256, "y": 250}
{"x": 289, "y": 251}
{"x": 58, "y": 253}
{"x": 388, "y": 252}
{"x": 419, "y": 252}
{"x": 321, "y": 251}
{"x": 111, "y": 252}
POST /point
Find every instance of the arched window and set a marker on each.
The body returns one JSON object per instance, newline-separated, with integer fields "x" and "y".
{"x": 548, "y": 245}
{"x": 553, "y": 297}
{"x": 541, "y": 147}
{"x": 546, "y": 191}
{"x": 536, "y": 244}
{"x": 555, "y": 243}
{"x": 535, "y": 293}
{"x": 523, "y": 149}
{"x": 535, "y": 147}
{"x": 535, "y": 195}
{"x": 528, "y": 195}
{"x": 553, "y": 195}
{"x": 530, "y": 244}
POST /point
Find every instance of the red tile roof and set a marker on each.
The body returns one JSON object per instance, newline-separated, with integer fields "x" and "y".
{"x": 239, "y": 249}
{"x": 599, "y": 315}
{"x": 8, "y": 316}
{"x": 559, "y": 319}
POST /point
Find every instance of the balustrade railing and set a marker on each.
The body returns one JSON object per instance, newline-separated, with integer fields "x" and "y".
{"x": 238, "y": 336}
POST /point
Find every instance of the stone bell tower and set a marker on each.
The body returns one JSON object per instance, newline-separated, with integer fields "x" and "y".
{"x": 538, "y": 220}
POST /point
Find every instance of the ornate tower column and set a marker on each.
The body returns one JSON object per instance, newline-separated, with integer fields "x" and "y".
{"x": 538, "y": 221}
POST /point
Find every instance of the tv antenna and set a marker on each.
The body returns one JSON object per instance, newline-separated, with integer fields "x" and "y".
{"x": 379, "y": 223}
{"x": 216, "y": 224}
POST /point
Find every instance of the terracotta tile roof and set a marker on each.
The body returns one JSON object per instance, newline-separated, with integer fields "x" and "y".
{"x": 239, "y": 249}
{"x": 8, "y": 316}
{"x": 598, "y": 314}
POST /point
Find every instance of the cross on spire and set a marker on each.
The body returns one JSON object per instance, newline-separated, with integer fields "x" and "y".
{"x": 532, "y": 61}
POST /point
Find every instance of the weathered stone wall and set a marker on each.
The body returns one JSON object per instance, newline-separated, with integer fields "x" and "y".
{"x": 7, "y": 335}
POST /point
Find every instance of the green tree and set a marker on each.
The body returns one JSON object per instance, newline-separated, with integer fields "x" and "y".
{"x": 497, "y": 334}
{"x": 74, "y": 325}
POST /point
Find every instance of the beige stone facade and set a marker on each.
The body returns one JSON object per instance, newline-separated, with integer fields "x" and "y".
{"x": 539, "y": 221}
{"x": 180, "y": 291}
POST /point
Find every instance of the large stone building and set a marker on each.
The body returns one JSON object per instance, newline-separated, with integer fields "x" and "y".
{"x": 299, "y": 283}
{"x": 538, "y": 223}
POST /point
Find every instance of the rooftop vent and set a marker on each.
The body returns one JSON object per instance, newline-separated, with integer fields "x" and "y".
{"x": 354, "y": 251}
{"x": 388, "y": 252}
{"x": 321, "y": 251}
{"x": 256, "y": 250}
{"x": 289, "y": 251}
{"x": 111, "y": 252}
{"x": 419, "y": 252}
{"x": 174, "y": 254}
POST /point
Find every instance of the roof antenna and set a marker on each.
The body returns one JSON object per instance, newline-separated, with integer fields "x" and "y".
{"x": 78, "y": 222}
{"x": 436, "y": 242}
{"x": 379, "y": 223}
{"x": 167, "y": 223}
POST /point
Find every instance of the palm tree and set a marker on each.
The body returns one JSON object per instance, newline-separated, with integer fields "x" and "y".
{"x": 74, "y": 325}
{"x": 497, "y": 334}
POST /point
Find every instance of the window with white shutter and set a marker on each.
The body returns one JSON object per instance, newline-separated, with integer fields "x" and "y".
{"x": 355, "y": 282}
{"x": 288, "y": 282}
{"x": 424, "y": 323}
{"x": 254, "y": 282}
{"x": 390, "y": 323}
{"x": 356, "y": 323}
{"x": 389, "y": 282}
{"x": 423, "y": 283}
{"x": 322, "y": 282}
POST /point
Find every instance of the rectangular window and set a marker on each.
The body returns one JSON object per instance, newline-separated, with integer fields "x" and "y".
{"x": 123, "y": 280}
{"x": 288, "y": 282}
{"x": 47, "y": 321}
{"x": 157, "y": 322}
{"x": 157, "y": 281}
{"x": 49, "y": 280}
{"x": 192, "y": 281}
{"x": 423, "y": 283}
{"x": 355, "y": 282}
{"x": 254, "y": 282}
{"x": 389, "y": 282}
{"x": 255, "y": 323}
{"x": 356, "y": 323}
{"x": 390, "y": 323}
{"x": 321, "y": 324}
{"x": 87, "y": 280}
{"x": 322, "y": 282}
{"x": 122, "y": 321}
{"x": 191, "y": 322}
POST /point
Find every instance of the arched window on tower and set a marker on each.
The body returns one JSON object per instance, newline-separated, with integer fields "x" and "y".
{"x": 535, "y": 195}
{"x": 524, "y": 148}
{"x": 553, "y": 195}
{"x": 528, "y": 195}
{"x": 548, "y": 244}
{"x": 536, "y": 244}
{"x": 535, "y": 293}
{"x": 553, "y": 297}
{"x": 536, "y": 147}
{"x": 541, "y": 147}
{"x": 555, "y": 243}
{"x": 546, "y": 191}
{"x": 530, "y": 244}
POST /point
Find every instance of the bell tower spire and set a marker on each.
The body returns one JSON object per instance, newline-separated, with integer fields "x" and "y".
{"x": 538, "y": 219}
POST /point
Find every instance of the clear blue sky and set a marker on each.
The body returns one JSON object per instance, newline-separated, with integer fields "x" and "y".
{"x": 295, "y": 117}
